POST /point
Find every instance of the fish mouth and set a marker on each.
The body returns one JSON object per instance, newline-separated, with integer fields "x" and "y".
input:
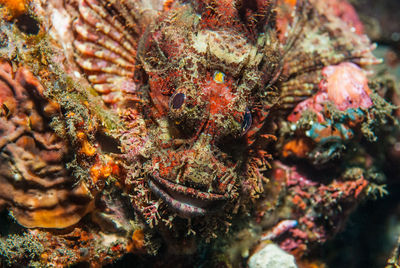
{"x": 187, "y": 202}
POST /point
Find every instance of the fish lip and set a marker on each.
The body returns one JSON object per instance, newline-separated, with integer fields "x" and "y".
{"x": 187, "y": 191}
{"x": 187, "y": 204}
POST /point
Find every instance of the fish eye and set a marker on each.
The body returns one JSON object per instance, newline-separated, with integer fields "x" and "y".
{"x": 219, "y": 77}
{"x": 177, "y": 101}
{"x": 247, "y": 120}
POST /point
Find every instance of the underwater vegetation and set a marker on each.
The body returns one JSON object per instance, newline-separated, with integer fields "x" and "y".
{"x": 185, "y": 133}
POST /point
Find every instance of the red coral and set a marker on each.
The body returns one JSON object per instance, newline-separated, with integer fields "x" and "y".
{"x": 315, "y": 207}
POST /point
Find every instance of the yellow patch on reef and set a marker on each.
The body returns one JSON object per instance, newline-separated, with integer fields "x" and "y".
{"x": 219, "y": 77}
{"x": 55, "y": 212}
{"x": 86, "y": 147}
{"x": 15, "y": 7}
{"x": 137, "y": 243}
{"x": 291, "y": 3}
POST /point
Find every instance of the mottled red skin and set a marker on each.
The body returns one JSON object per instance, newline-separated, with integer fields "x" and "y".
{"x": 213, "y": 110}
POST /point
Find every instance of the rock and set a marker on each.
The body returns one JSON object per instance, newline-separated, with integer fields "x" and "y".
{"x": 272, "y": 256}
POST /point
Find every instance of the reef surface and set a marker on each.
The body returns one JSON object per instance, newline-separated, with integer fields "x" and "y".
{"x": 187, "y": 133}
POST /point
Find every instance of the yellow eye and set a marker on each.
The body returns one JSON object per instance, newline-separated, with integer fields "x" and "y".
{"x": 219, "y": 77}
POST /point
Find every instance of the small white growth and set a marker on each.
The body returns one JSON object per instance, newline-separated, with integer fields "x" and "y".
{"x": 397, "y": 146}
{"x": 108, "y": 240}
{"x": 77, "y": 74}
{"x": 271, "y": 256}
{"x": 61, "y": 22}
{"x": 17, "y": 177}
{"x": 225, "y": 51}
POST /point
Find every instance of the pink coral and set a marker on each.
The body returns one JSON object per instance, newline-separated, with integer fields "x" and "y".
{"x": 346, "y": 85}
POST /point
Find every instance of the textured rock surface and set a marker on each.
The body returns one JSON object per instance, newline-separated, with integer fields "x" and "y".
{"x": 271, "y": 256}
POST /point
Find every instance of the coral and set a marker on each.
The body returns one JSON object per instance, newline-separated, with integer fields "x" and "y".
{"x": 298, "y": 147}
{"x": 281, "y": 228}
{"x": 15, "y": 7}
{"x": 35, "y": 183}
{"x": 345, "y": 11}
{"x": 347, "y": 86}
{"x": 344, "y": 85}
{"x": 316, "y": 210}
{"x": 342, "y": 109}
{"x": 137, "y": 242}
{"x": 78, "y": 245}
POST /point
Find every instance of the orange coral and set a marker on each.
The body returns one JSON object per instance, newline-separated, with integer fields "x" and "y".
{"x": 86, "y": 148}
{"x": 168, "y": 4}
{"x": 101, "y": 171}
{"x": 297, "y": 147}
{"x": 298, "y": 201}
{"x": 290, "y": 2}
{"x": 54, "y": 217}
{"x": 310, "y": 264}
{"x": 137, "y": 242}
{"x": 15, "y": 7}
